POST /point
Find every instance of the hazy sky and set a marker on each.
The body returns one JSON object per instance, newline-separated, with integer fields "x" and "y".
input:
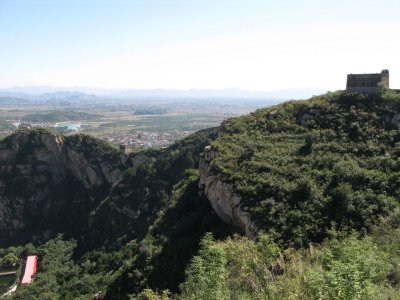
{"x": 183, "y": 44}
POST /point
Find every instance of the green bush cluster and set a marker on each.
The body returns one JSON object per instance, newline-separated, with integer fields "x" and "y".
{"x": 348, "y": 267}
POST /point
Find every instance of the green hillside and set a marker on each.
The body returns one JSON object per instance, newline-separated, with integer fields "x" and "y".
{"x": 319, "y": 178}
{"x": 304, "y": 167}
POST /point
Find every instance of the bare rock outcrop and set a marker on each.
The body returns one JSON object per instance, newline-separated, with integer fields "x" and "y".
{"x": 227, "y": 204}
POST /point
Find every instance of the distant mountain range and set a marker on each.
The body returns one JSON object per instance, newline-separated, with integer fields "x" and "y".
{"x": 71, "y": 94}
{"x": 223, "y": 93}
{"x": 59, "y": 97}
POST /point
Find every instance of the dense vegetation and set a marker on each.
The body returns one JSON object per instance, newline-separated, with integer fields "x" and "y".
{"x": 319, "y": 178}
{"x": 350, "y": 267}
{"x": 305, "y": 167}
{"x": 131, "y": 244}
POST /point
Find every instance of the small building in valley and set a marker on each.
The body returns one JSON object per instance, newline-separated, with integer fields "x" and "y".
{"x": 30, "y": 269}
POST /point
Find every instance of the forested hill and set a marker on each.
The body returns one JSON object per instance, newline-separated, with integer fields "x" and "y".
{"x": 304, "y": 167}
{"x": 314, "y": 185}
{"x": 49, "y": 183}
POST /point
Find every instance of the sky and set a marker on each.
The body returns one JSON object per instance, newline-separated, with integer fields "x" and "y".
{"x": 257, "y": 45}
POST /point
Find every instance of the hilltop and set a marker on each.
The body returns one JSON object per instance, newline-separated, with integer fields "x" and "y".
{"x": 301, "y": 200}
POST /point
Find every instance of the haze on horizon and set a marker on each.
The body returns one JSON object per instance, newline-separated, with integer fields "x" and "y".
{"x": 253, "y": 45}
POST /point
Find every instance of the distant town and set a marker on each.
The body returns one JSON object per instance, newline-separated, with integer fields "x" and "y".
{"x": 139, "y": 124}
{"x": 134, "y": 138}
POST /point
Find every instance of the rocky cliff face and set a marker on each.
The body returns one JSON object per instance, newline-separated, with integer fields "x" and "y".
{"x": 47, "y": 181}
{"x": 226, "y": 203}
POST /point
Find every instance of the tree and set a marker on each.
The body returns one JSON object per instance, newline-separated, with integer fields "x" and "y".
{"x": 149, "y": 294}
{"x": 10, "y": 260}
{"x": 206, "y": 274}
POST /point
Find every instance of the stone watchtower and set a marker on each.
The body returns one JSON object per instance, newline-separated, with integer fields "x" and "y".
{"x": 125, "y": 149}
{"x": 367, "y": 83}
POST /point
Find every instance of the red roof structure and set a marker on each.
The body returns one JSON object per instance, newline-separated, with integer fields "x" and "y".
{"x": 30, "y": 269}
